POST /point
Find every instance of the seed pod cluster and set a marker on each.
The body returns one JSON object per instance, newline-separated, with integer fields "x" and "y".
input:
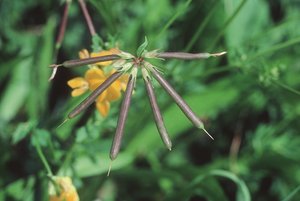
{"x": 131, "y": 64}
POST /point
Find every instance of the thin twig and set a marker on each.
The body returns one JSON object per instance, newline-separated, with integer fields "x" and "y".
{"x": 62, "y": 28}
{"x": 87, "y": 17}
{"x": 60, "y": 37}
{"x": 43, "y": 158}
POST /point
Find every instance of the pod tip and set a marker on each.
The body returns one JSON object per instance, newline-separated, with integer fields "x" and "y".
{"x": 202, "y": 127}
{"x": 109, "y": 168}
{"x": 62, "y": 123}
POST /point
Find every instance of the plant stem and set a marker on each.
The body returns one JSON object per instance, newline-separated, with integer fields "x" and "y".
{"x": 60, "y": 37}
{"x": 87, "y": 17}
{"x": 275, "y": 48}
{"x": 175, "y": 16}
{"x": 201, "y": 27}
{"x": 227, "y": 23}
{"x": 290, "y": 89}
{"x": 43, "y": 158}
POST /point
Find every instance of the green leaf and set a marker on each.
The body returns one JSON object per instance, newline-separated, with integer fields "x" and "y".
{"x": 40, "y": 137}
{"x": 39, "y": 71}
{"x": 243, "y": 193}
{"x": 142, "y": 48}
{"x": 21, "y": 189}
{"x": 16, "y": 92}
{"x": 242, "y": 27}
{"x": 85, "y": 167}
{"x": 22, "y": 131}
{"x": 97, "y": 43}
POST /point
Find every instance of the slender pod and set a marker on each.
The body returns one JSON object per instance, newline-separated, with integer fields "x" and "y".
{"x": 91, "y": 60}
{"x": 186, "y": 56}
{"x": 157, "y": 115}
{"x": 179, "y": 101}
{"x": 115, "y": 148}
{"x": 92, "y": 97}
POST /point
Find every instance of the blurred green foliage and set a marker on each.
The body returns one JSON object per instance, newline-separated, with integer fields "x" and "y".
{"x": 249, "y": 100}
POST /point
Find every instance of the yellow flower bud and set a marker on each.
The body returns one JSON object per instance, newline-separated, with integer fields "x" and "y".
{"x": 64, "y": 191}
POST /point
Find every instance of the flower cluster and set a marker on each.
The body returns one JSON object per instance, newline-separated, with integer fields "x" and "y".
{"x": 94, "y": 77}
{"x": 125, "y": 63}
{"x": 62, "y": 189}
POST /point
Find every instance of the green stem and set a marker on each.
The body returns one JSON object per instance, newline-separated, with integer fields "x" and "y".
{"x": 275, "y": 48}
{"x": 201, "y": 28}
{"x": 87, "y": 17}
{"x": 227, "y": 23}
{"x": 66, "y": 161}
{"x": 219, "y": 70}
{"x": 287, "y": 87}
{"x": 175, "y": 16}
{"x": 292, "y": 194}
{"x": 43, "y": 158}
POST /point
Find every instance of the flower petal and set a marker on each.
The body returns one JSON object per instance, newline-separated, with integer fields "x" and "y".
{"x": 103, "y": 107}
{"x": 95, "y": 77}
{"x": 93, "y": 84}
{"x": 78, "y": 91}
{"x": 68, "y": 191}
{"x": 102, "y": 96}
{"x": 113, "y": 92}
{"x": 83, "y": 54}
{"x": 77, "y": 82}
{"x": 94, "y": 73}
{"x": 123, "y": 81}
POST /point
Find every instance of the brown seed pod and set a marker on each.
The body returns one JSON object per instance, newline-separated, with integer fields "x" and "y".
{"x": 115, "y": 148}
{"x": 91, "y": 60}
{"x": 93, "y": 96}
{"x": 179, "y": 101}
{"x": 157, "y": 115}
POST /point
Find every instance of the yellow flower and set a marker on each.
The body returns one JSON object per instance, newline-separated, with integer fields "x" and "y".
{"x": 67, "y": 191}
{"x": 94, "y": 77}
{"x": 105, "y": 53}
{"x": 83, "y": 54}
{"x": 79, "y": 86}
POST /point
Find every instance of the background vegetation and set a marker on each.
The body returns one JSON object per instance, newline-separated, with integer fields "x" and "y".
{"x": 249, "y": 100}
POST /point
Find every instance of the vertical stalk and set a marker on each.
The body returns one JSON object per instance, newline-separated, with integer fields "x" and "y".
{"x": 87, "y": 17}
{"x": 60, "y": 37}
{"x": 43, "y": 158}
{"x": 227, "y": 23}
